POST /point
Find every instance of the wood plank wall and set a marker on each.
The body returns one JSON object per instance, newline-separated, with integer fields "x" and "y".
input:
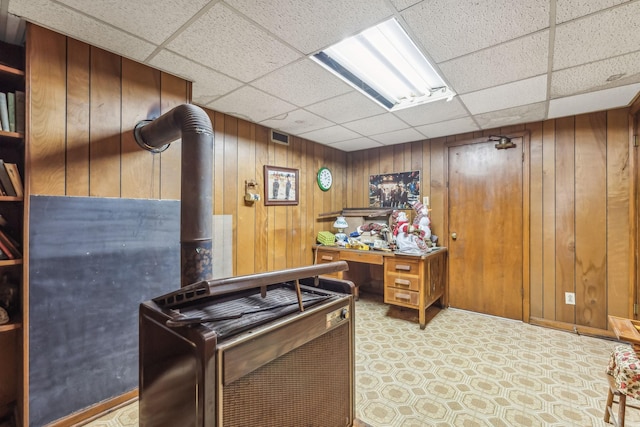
{"x": 580, "y": 210}
{"x": 85, "y": 101}
{"x": 84, "y": 104}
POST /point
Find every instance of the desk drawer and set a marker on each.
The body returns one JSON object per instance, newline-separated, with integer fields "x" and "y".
{"x": 401, "y": 297}
{"x": 403, "y": 266}
{"x": 403, "y": 282}
{"x": 327, "y": 256}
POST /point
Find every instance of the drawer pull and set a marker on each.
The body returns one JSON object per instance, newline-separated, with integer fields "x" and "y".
{"x": 402, "y": 282}
{"x": 403, "y": 297}
{"x": 326, "y": 258}
{"x": 403, "y": 267}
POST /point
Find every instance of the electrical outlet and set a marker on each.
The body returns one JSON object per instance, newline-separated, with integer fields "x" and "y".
{"x": 570, "y": 298}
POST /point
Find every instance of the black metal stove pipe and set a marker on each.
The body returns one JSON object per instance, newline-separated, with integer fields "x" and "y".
{"x": 196, "y": 207}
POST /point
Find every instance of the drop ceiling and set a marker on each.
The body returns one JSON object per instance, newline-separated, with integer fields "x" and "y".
{"x": 510, "y": 62}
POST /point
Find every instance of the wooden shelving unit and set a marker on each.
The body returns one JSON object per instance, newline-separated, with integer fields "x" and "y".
{"x": 13, "y": 334}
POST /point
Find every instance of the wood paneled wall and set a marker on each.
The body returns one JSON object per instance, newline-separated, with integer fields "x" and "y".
{"x": 84, "y": 104}
{"x": 85, "y": 101}
{"x": 581, "y": 214}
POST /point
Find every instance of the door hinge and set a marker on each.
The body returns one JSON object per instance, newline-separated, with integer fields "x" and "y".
{"x": 635, "y": 308}
{"x": 635, "y": 141}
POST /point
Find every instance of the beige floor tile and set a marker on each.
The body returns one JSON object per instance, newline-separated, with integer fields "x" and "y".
{"x": 466, "y": 369}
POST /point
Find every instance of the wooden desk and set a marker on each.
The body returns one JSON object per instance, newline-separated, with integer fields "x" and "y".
{"x": 626, "y": 330}
{"x": 409, "y": 281}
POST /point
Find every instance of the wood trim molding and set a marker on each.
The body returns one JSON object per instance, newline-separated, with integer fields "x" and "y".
{"x": 96, "y": 411}
{"x": 570, "y": 327}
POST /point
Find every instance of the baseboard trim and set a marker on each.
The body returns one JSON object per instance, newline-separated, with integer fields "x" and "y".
{"x": 570, "y": 327}
{"x": 91, "y": 413}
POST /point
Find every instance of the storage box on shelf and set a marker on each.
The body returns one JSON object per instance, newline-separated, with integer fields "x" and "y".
{"x": 12, "y": 114}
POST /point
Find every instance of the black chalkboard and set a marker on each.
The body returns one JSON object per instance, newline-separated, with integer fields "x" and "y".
{"x": 91, "y": 263}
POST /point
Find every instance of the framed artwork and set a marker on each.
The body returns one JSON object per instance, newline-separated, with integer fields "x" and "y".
{"x": 394, "y": 190}
{"x": 280, "y": 186}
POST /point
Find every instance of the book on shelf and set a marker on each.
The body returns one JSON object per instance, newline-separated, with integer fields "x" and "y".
{"x": 9, "y": 250}
{"x": 14, "y": 176}
{"x": 4, "y": 112}
{"x": 20, "y": 111}
{"x": 9, "y": 246}
{"x": 6, "y": 181}
{"x": 11, "y": 105}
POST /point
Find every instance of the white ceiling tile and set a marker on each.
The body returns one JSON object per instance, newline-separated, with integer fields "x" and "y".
{"x": 449, "y": 127}
{"x": 398, "y": 136}
{"x": 83, "y": 28}
{"x": 508, "y": 62}
{"x": 376, "y": 124}
{"x": 346, "y": 108}
{"x": 356, "y": 144}
{"x": 224, "y": 41}
{"x": 494, "y": 53}
{"x": 432, "y": 112}
{"x": 311, "y": 25}
{"x": 209, "y": 85}
{"x": 593, "y": 101}
{"x": 593, "y": 76}
{"x": 592, "y": 38}
{"x": 302, "y": 83}
{"x": 250, "y": 104}
{"x": 152, "y": 20}
{"x": 403, "y": 4}
{"x": 296, "y": 122}
{"x": 330, "y": 135}
{"x": 448, "y": 29}
{"x": 567, "y": 10}
{"x": 512, "y": 116}
{"x": 528, "y": 91}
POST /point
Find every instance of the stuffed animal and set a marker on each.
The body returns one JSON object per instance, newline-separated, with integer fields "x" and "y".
{"x": 422, "y": 222}
{"x": 407, "y": 241}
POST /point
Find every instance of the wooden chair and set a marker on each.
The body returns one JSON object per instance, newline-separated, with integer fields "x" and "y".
{"x": 623, "y": 373}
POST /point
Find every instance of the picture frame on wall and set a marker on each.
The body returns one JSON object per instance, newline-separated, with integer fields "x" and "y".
{"x": 281, "y": 186}
{"x": 397, "y": 190}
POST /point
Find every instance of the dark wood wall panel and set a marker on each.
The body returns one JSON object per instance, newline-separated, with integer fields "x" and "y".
{"x": 105, "y": 133}
{"x": 77, "y": 124}
{"x": 139, "y": 176}
{"x": 46, "y": 80}
{"x": 619, "y": 236}
{"x": 591, "y": 213}
{"x": 536, "y": 266}
{"x": 565, "y": 217}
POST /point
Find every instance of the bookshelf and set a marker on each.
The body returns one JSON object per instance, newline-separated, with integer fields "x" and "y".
{"x": 13, "y": 337}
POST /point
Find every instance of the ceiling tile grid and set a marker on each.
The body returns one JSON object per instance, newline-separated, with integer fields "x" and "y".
{"x": 509, "y": 62}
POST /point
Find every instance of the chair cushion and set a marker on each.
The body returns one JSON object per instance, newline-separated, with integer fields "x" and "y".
{"x": 624, "y": 367}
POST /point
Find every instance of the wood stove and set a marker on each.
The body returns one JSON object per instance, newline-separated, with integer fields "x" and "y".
{"x": 256, "y": 350}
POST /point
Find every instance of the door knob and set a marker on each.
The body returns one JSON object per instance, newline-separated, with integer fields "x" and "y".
{"x": 454, "y": 236}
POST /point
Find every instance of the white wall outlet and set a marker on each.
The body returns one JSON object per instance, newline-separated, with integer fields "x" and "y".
{"x": 570, "y": 298}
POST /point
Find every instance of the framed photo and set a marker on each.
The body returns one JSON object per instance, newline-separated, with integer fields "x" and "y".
{"x": 394, "y": 190}
{"x": 280, "y": 186}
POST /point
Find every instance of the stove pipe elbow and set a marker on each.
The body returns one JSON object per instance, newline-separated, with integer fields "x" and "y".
{"x": 192, "y": 124}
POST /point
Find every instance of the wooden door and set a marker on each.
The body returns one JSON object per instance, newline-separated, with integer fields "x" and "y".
{"x": 485, "y": 199}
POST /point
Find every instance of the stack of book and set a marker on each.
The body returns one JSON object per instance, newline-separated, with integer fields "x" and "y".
{"x": 12, "y": 111}
{"x": 9, "y": 247}
{"x": 10, "y": 180}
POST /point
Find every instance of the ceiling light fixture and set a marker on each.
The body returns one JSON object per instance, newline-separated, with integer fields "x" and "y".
{"x": 385, "y": 64}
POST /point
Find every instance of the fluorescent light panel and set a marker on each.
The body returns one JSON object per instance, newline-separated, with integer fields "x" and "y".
{"x": 385, "y": 64}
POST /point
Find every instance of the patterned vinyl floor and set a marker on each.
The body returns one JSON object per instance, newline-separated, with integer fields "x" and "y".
{"x": 466, "y": 369}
